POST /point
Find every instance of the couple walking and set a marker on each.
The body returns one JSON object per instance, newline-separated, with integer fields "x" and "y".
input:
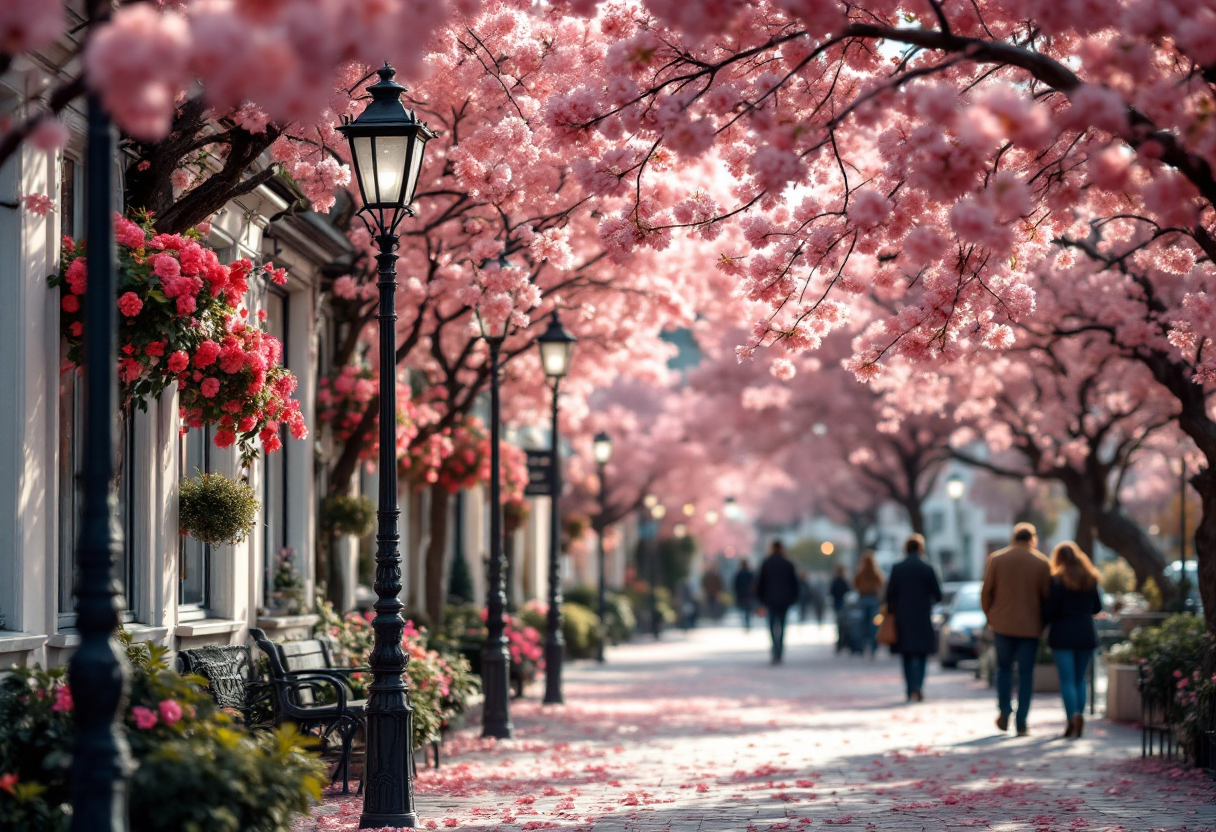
{"x": 1024, "y": 592}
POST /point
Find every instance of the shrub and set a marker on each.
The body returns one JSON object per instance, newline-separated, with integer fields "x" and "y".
{"x": 1118, "y": 576}
{"x": 214, "y": 509}
{"x": 1169, "y": 653}
{"x": 198, "y": 769}
{"x": 622, "y": 623}
{"x": 1152, "y": 595}
{"x": 580, "y": 627}
{"x": 344, "y": 514}
{"x": 441, "y": 684}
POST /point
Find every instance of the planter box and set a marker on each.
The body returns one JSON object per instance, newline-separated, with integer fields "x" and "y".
{"x": 1046, "y": 678}
{"x": 1122, "y": 693}
{"x": 1132, "y": 620}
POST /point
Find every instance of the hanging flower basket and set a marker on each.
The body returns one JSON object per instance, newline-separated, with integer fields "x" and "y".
{"x": 214, "y": 509}
{"x": 343, "y": 514}
{"x": 181, "y": 319}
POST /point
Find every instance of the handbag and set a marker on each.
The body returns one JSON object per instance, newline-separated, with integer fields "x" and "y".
{"x": 887, "y": 633}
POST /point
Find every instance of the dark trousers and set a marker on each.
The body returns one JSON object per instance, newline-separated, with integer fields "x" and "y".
{"x": 1022, "y": 650}
{"x": 776, "y": 628}
{"x": 746, "y": 609}
{"x": 914, "y": 672}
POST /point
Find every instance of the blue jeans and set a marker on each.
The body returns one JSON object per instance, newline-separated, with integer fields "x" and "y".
{"x": 914, "y": 672}
{"x": 1022, "y": 650}
{"x": 1073, "y": 666}
{"x": 869, "y": 605}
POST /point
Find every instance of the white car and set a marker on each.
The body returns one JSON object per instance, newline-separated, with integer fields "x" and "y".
{"x": 961, "y": 632}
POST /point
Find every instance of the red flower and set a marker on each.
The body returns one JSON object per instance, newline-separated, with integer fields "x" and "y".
{"x": 178, "y": 361}
{"x": 156, "y": 348}
{"x": 8, "y": 782}
{"x": 209, "y": 388}
{"x": 130, "y": 304}
{"x": 76, "y": 329}
{"x": 225, "y": 438}
{"x": 206, "y": 354}
{"x": 70, "y": 304}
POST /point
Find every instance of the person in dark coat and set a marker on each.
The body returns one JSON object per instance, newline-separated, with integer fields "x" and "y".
{"x": 912, "y": 590}
{"x": 777, "y": 590}
{"x": 839, "y": 590}
{"x": 745, "y": 579}
{"x": 1072, "y": 602}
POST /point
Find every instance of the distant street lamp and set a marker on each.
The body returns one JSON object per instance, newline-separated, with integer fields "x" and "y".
{"x": 827, "y": 548}
{"x": 955, "y": 488}
{"x": 601, "y": 449}
{"x": 556, "y": 348}
{"x": 657, "y": 511}
{"x": 495, "y": 656}
{"x": 387, "y": 143}
{"x": 711, "y": 517}
{"x": 689, "y": 509}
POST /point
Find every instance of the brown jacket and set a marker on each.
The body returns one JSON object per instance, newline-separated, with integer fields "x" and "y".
{"x": 1016, "y": 583}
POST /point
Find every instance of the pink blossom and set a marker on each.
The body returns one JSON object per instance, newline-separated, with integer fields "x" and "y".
{"x": 63, "y": 699}
{"x": 144, "y": 718}
{"x": 38, "y": 204}
{"x": 868, "y": 208}
{"x": 210, "y": 386}
{"x": 170, "y": 711}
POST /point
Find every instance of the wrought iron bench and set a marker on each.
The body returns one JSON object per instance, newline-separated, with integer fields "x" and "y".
{"x": 314, "y": 697}
{"x": 231, "y": 679}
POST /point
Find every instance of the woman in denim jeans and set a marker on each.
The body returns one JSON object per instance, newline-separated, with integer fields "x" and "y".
{"x": 1071, "y": 605}
{"x": 868, "y": 582}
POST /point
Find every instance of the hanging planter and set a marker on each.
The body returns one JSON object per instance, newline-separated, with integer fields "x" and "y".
{"x": 182, "y": 320}
{"x": 214, "y": 509}
{"x": 343, "y": 514}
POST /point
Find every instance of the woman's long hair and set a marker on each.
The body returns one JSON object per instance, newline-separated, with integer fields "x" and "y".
{"x": 1073, "y": 567}
{"x": 868, "y": 574}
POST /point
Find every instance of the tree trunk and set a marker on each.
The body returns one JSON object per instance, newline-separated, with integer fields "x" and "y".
{"x": 436, "y": 560}
{"x": 335, "y": 584}
{"x": 1205, "y": 542}
{"x": 916, "y": 515}
{"x": 1087, "y": 521}
{"x": 1119, "y": 532}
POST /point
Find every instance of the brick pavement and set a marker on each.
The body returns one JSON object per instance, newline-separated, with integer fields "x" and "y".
{"x": 699, "y": 733}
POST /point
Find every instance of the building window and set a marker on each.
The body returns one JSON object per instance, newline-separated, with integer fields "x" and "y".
{"x": 935, "y": 522}
{"x": 194, "y": 557}
{"x": 71, "y": 496}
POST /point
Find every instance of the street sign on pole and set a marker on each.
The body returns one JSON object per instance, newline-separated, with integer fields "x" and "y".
{"x": 540, "y": 480}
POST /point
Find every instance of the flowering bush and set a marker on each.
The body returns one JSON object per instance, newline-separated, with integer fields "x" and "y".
{"x": 441, "y": 685}
{"x": 198, "y": 769}
{"x": 182, "y": 320}
{"x": 465, "y": 629}
{"x": 1169, "y": 653}
{"x": 342, "y": 399}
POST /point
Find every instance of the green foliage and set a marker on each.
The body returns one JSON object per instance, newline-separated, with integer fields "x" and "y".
{"x": 1122, "y": 654}
{"x": 622, "y": 623}
{"x": 198, "y": 770}
{"x": 441, "y": 684}
{"x": 288, "y": 586}
{"x": 580, "y": 627}
{"x": 1152, "y": 595}
{"x": 675, "y": 560}
{"x": 344, "y": 514}
{"x": 214, "y": 509}
{"x": 1170, "y": 652}
{"x": 1118, "y": 576}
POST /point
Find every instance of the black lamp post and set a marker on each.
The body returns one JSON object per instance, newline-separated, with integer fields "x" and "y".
{"x": 387, "y": 143}
{"x": 601, "y": 449}
{"x": 556, "y": 347}
{"x": 97, "y": 673}
{"x": 495, "y": 658}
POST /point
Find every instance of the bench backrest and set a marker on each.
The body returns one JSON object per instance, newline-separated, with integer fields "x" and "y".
{"x": 227, "y": 668}
{"x": 310, "y": 654}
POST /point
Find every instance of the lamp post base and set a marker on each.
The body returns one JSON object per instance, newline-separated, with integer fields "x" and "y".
{"x": 553, "y": 674}
{"x": 496, "y": 682}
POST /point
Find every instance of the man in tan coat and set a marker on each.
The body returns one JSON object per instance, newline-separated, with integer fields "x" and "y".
{"x": 1016, "y": 583}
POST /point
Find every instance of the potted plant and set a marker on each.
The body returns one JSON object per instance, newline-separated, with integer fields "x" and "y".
{"x": 345, "y": 514}
{"x": 287, "y": 595}
{"x": 214, "y": 509}
{"x": 1122, "y": 683}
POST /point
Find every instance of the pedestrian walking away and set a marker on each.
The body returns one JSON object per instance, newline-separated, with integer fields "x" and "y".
{"x": 711, "y": 589}
{"x": 777, "y": 591}
{"x": 839, "y": 590}
{"x": 1016, "y": 583}
{"x": 745, "y": 580}
{"x": 1072, "y": 602}
{"x": 804, "y": 597}
{"x": 868, "y": 581}
{"x": 912, "y": 591}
